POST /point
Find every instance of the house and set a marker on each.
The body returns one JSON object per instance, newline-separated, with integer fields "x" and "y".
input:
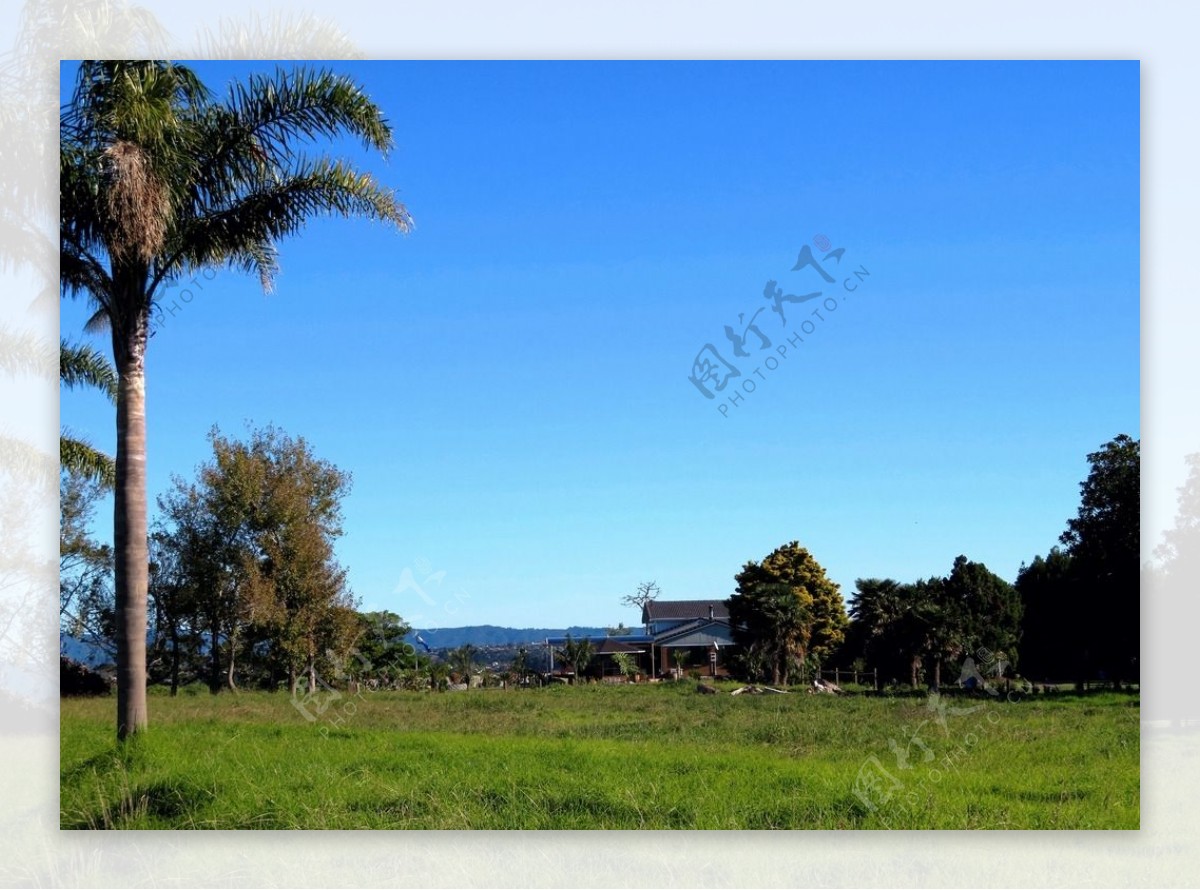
{"x": 662, "y": 615}
{"x": 602, "y": 665}
{"x": 688, "y": 634}
{"x": 680, "y": 635}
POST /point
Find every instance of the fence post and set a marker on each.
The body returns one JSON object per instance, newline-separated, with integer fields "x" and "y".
{"x": 875, "y": 672}
{"x": 837, "y": 677}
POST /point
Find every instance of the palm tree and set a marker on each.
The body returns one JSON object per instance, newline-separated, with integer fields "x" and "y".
{"x": 776, "y": 618}
{"x": 84, "y": 366}
{"x": 462, "y": 662}
{"x": 159, "y": 180}
{"x": 578, "y": 654}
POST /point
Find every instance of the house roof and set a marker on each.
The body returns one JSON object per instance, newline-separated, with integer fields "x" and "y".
{"x": 606, "y": 645}
{"x": 611, "y": 645}
{"x": 660, "y": 610}
{"x": 700, "y": 632}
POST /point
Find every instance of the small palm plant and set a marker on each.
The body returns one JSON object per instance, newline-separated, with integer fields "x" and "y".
{"x": 625, "y": 663}
{"x": 681, "y": 658}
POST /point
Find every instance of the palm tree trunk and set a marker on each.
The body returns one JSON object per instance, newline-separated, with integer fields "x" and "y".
{"x": 132, "y": 554}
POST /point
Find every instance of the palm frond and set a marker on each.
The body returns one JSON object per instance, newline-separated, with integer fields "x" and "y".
{"x": 25, "y": 465}
{"x": 98, "y": 322}
{"x": 253, "y": 136}
{"x": 26, "y": 353}
{"x": 25, "y": 242}
{"x": 82, "y": 365}
{"x": 140, "y": 100}
{"x": 81, "y": 274}
{"x": 79, "y": 456}
{"x": 81, "y": 215}
{"x": 128, "y": 142}
{"x": 300, "y": 35}
{"x": 279, "y": 109}
{"x": 244, "y": 234}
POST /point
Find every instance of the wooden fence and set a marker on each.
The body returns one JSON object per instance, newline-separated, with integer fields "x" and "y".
{"x": 858, "y": 678}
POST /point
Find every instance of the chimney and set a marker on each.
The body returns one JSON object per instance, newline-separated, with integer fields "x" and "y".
{"x": 710, "y": 612}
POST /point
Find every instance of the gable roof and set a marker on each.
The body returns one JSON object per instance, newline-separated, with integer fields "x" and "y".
{"x": 682, "y": 610}
{"x": 612, "y": 645}
{"x": 608, "y": 645}
{"x": 700, "y": 632}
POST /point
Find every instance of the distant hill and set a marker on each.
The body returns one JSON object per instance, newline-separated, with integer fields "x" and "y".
{"x": 82, "y": 651}
{"x": 491, "y": 635}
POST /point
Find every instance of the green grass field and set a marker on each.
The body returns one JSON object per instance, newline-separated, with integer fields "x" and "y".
{"x": 606, "y": 757}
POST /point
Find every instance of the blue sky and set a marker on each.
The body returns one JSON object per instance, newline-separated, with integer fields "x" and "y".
{"x": 509, "y": 386}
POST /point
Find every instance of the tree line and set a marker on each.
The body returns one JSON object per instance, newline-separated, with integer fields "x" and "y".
{"x": 1071, "y": 615}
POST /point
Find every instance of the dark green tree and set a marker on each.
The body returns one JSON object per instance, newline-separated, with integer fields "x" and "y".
{"x": 381, "y": 645}
{"x": 772, "y": 620}
{"x": 1103, "y": 541}
{"x": 1052, "y": 638}
{"x": 891, "y": 621}
{"x": 936, "y": 621}
{"x": 983, "y": 612}
{"x": 203, "y": 541}
{"x": 811, "y": 625}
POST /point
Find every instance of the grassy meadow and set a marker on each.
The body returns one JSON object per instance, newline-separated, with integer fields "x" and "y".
{"x": 626, "y": 757}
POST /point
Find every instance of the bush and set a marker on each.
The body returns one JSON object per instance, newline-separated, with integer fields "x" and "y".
{"x": 75, "y": 678}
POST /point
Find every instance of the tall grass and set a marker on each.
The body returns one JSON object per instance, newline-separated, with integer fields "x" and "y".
{"x": 605, "y": 757}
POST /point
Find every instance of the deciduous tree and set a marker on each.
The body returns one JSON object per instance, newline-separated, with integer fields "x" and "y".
{"x": 255, "y": 535}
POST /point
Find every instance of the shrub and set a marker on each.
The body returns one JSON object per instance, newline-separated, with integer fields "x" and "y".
{"x": 75, "y": 678}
